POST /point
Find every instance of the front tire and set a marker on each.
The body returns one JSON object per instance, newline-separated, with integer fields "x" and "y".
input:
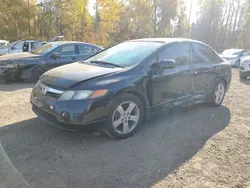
{"x": 125, "y": 116}
{"x": 218, "y": 94}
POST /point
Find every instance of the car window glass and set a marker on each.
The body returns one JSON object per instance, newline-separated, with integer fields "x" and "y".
{"x": 68, "y": 50}
{"x": 35, "y": 45}
{"x": 19, "y": 45}
{"x": 178, "y": 52}
{"x": 126, "y": 54}
{"x": 203, "y": 54}
{"x": 246, "y": 53}
{"x": 85, "y": 49}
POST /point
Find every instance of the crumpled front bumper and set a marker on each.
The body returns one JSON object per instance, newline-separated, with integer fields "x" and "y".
{"x": 10, "y": 72}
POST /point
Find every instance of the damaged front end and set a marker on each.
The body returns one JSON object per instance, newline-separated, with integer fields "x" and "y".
{"x": 10, "y": 71}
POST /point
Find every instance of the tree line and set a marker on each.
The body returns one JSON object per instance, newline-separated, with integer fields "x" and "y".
{"x": 220, "y": 23}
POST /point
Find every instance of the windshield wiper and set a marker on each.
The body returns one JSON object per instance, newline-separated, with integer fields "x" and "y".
{"x": 106, "y": 63}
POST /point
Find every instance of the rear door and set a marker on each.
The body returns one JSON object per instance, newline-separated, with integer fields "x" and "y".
{"x": 205, "y": 69}
{"x": 67, "y": 55}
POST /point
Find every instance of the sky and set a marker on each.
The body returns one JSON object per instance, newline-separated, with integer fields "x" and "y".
{"x": 195, "y": 9}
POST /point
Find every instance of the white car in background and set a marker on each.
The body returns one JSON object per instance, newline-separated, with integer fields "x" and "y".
{"x": 235, "y": 56}
{"x": 3, "y": 42}
{"x": 20, "y": 46}
{"x": 245, "y": 68}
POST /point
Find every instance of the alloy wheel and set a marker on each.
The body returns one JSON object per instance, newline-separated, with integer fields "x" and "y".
{"x": 126, "y": 117}
{"x": 219, "y": 93}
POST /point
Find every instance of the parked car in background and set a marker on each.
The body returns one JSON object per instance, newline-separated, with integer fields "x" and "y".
{"x": 3, "y": 42}
{"x": 122, "y": 85}
{"x": 245, "y": 68}
{"x": 234, "y": 56}
{"x": 29, "y": 66}
{"x": 20, "y": 46}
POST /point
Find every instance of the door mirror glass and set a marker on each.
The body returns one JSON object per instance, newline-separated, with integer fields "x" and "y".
{"x": 55, "y": 55}
{"x": 167, "y": 64}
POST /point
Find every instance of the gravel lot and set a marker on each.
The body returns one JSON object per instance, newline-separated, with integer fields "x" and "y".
{"x": 190, "y": 147}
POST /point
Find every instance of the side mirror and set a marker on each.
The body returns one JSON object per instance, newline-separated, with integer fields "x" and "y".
{"x": 55, "y": 55}
{"x": 167, "y": 64}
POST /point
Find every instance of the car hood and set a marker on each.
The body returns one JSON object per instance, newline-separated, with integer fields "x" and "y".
{"x": 18, "y": 56}
{"x": 67, "y": 76}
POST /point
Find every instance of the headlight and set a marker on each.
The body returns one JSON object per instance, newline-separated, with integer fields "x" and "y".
{"x": 82, "y": 94}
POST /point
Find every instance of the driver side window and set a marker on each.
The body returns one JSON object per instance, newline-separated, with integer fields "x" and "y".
{"x": 179, "y": 52}
{"x": 19, "y": 45}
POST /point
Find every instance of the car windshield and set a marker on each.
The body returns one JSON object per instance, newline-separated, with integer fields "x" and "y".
{"x": 125, "y": 54}
{"x": 45, "y": 48}
{"x": 8, "y": 45}
{"x": 232, "y": 52}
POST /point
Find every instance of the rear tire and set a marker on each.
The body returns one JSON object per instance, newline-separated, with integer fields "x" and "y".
{"x": 237, "y": 64}
{"x": 218, "y": 94}
{"x": 125, "y": 116}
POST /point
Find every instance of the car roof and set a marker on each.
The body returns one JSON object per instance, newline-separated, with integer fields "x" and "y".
{"x": 165, "y": 40}
{"x": 4, "y": 41}
{"x": 71, "y": 42}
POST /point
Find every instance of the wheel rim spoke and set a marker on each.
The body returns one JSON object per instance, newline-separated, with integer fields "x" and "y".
{"x": 125, "y": 127}
{"x": 118, "y": 122}
{"x": 130, "y": 108}
{"x": 120, "y": 110}
{"x": 133, "y": 118}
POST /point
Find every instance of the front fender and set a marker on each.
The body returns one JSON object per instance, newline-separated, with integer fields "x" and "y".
{"x": 26, "y": 74}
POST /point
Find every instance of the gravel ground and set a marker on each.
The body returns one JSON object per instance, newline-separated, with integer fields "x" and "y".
{"x": 189, "y": 147}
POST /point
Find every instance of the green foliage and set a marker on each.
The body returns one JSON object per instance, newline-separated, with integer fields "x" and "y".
{"x": 220, "y": 23}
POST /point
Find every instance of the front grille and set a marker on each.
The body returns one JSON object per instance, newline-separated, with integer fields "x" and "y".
{"x": 51, "y": 92}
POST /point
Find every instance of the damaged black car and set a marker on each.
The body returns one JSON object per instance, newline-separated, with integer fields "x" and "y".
{"x": 121, "y": 86}
{"x": 29, "y": 66}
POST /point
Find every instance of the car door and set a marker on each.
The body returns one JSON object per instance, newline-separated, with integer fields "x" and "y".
{"x": 66, "y": 55}
{"x": 205, "y": 68}
{"x": 86, "y": 50}
{"x": 173, "y": 87}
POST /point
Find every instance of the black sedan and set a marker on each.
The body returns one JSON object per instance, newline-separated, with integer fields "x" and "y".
{"x": 125, "y": 84}
{"x": 30, "y": 66}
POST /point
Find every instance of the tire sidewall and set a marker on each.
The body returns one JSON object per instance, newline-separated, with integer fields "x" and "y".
{"x": 109, "y": 129}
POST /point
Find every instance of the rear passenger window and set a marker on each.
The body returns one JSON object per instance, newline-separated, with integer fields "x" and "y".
{"x": 86, "y": 49}
{"x": 178, "y": 52}
{"x": 204, "y": 54}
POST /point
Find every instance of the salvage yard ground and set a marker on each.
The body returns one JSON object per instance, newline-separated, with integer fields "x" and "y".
{"x": 191, "y": 147}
